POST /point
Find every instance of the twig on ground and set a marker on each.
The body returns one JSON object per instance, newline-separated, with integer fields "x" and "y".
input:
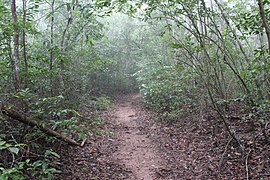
{"x": 246, "y": 163}
{"x": 13, "y": 157}
{"x": 224, "y": 152}
{"x": 19, "y": 116}
{"x": 83, "y": 142}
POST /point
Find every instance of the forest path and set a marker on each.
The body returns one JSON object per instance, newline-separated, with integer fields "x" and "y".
{"x": 136, "y": 151}
{"x": 142, "y": 148}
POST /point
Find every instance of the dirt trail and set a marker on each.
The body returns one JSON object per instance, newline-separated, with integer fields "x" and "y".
{"x": 194, "y": 147}
{"x": 136, "y": 151}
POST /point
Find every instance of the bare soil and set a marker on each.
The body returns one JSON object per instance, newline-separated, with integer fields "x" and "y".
{"x": 126, "y": 153}
{"x": 136, "y": 150}
{"x": 143, "y": 148}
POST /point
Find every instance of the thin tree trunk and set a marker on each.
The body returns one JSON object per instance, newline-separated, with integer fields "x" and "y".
{"x": 24, "y": 44}
{"x": 51, "y": 48}
{"x": 62, "y": 44}
{"x": 232, "y": 30}
{"x": 264, "y": 22}
{"x": 16, "y": 46}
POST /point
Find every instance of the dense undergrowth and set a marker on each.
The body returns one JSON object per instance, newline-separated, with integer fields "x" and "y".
{"x": 27, "y": 152}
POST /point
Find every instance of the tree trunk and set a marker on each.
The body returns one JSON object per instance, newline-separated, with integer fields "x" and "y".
{"x": 264, "y": 22}
{"x": 51, "y": 48}
{"x": 33, "y": 123}
{"x": 24, "y": 44}
{"x": 16, "y": 46}
{"x": 62, "y": 44}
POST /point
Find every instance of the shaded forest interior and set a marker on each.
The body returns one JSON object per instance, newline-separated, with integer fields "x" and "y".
{"x": 201, "y": 67}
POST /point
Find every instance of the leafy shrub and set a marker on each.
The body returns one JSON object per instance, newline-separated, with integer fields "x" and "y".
{"x": 166, "y": 92}
{"x": 25, "y": 169}
{"x": 53, "y": 113}
{"x": 163, "y": 96}
{"x": 103, "y": 102}
{"x": 172, "y": 116}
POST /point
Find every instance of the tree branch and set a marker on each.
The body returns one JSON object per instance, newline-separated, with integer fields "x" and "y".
{"x": 33, "y": 123}
{"x": 264, "y": 22}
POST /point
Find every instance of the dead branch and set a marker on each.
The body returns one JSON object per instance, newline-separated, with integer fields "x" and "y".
{"x": 246, "y": 164}
{"x": 21, "y": 117}
{"x": 264, "y": 128}
{"x": 224, "y": 152}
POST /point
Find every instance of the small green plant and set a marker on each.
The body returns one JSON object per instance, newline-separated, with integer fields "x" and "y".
{"x": 171, "y": 117}
{"x": 25, "y": 169}
{"x": 12, "y": 148}
{"x": 11, "y": 173}
{"x": 100, "y": 103}
{"x": 39, "y": 169}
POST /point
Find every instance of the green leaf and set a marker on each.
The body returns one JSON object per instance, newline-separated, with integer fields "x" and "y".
{"x": 176, "y": 46}
{"x": 3, "y": 147}
{"x": 14, "y": 150}
{"x": 2, "y": 143}
{"x": 50, "y": 152}
{"x": 19, "y": 145}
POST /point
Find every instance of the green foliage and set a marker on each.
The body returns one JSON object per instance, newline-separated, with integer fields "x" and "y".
{"x": 185, "y": 49}
{"x": 50, "y": 112}
{"x": 165, "y": 95}
{"x": 248, "y": 17}
{"x": 68, "y": 121}
{"x": 167, "y": 92}
{"x": 40, "y": 169}
{"x": 49, "y": 107}
{"x": 102, "y": 103}
{"x": 27, "y": 169}
{"x": 262, "y": 111}
{"x": 11, "y": 173}
{"x": 14, "y": 149}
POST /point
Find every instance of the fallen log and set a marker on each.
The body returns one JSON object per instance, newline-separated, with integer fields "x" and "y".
{"x": 21, "y": 117}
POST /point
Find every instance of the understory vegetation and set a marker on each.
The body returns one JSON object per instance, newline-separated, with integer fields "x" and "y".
{"x": 63, "y": 62}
